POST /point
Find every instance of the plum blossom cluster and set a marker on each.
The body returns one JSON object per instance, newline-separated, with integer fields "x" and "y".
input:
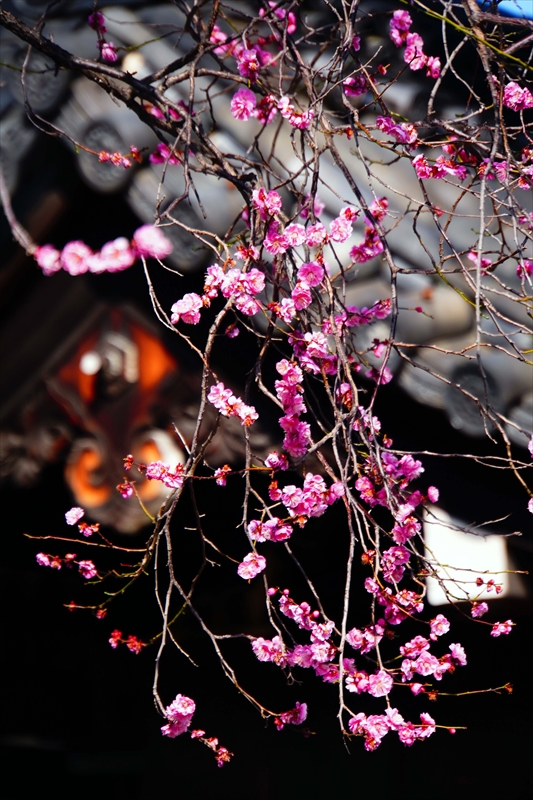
{"x": 298, "y": 119}
{"x": 312, "y": 500}
{"x": 375, "y": 726}
{"x": 315, "y": 655}
{"x": 352, "y": 316}
{"x": 386, "y": 483}
{"x": 295, "y": 716}
{"x": 179, "y": 716}
{"x": 77, "y": 258}
{"x": 120, "y": 160}
{"x": 502, "y": 628}
{"x": 231, "y": 406}
{"x": 479, "y": 609}
{"x": 489, "y": 585}
{"x": 107, "y": 49}
{"x": 516, "y": 97}
{"x": 372, "y": 245}
{"x": 419, "y": 660}
{"x": 74, "y": 515}
{"x": 278, "y": 241}
{"x": 252, "y": 58}
{"x": 289, "y": 390}
{"x": 402, "y": 132}
{"x": 414, "y": 55}
{"x": 455, "y": 160}
{"x": 322, "y": 655}
{"x": 173, "y": 478}
{"x": 239, "y": 285}
{"x": 244, "y": 105}
{"x": 86, "y": 568}
{"x": 442, "y": 168}
{"x": 133, "y": 643}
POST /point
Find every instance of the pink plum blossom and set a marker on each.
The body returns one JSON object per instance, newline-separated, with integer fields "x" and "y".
{"x": 458, "y": 654}
{"x": 422, "y": 167}
{"x": 479, "y": 609}
{"x": 380, "y": 684}
{"x": 483, "y": 262}
{"x": 87, "y": 569}
{"x": 150, "y": 241}
{"x": 295, "y": 716}
{"x": 48, "y": 258}
{"x": 282, "y": 14}
{"x": 270, "y": 650}
{"x": 301, "y": 296}
{"x": 287, "y": 310}
{"x": 355, "y": 85}
{"x": 414, "y": 647}
{"x": 249, "y": 64}
{"x": 340, "y": 229}
{"x": 274, "y": 241}
{"x": 74, "y": 258}
{"x": 96, "y": 22}
{"x": 393, "y": 563}
{"x": 402, "y": 132}
{"x": 311, "y": 273}
{"x": 108, "y": 51}
{"x": 500, "y": 628}
{"x": 243, "y": 103}
{"x": 266, "y": 109}
{"x": 267, "y": 203}
{"x": 276, "y": 461}
{"x": 163, "y": 154}
{"x": 218, "y": 36}
{"x": 298, "y": 119}
{"x": 179, "y": 715}
{"x": 433, "y": 67}
{"x": 399, "y": 27}
{"x": 516, "y": 97}
{"x": 439, "y": 626}
{"x": 221, "y": 475}
{"x": 414, "y": 52}
{"x": 188, "y": 309}
{"x": 116, "y": 256}
{"x": 316, "y": 235}
{"x": 74, "y": 515}
{"x": 523, "y": 270}
{"x": 156, "y": 470}
{"x": 295, "y": 234}
{"x": 428, "y": 726}
{"x": 433, "y": 494}
{"x": 251, "y": 565}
